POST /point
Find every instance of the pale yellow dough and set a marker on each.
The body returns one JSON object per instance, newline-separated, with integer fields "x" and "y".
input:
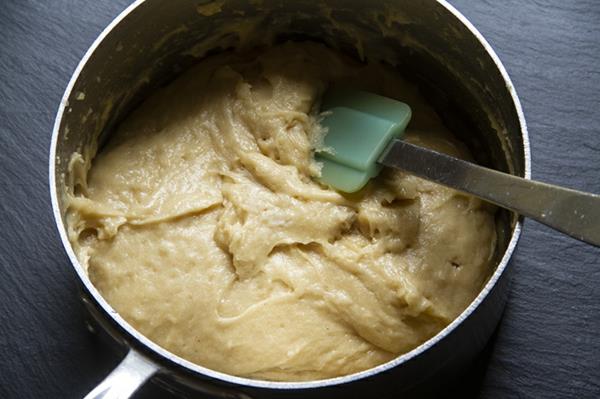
{"x": 202, "y": 225}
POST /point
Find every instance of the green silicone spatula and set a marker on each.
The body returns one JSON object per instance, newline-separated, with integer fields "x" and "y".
{"x": 364, "y": 134}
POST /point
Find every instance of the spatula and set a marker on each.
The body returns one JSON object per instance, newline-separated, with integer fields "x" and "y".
{"x": 364, "y": 134}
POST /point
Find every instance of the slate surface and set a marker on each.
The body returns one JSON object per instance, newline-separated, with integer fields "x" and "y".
{"x": 548, "y": 344}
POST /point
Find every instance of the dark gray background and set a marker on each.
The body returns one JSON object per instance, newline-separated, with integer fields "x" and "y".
{"x": 548, "y": 343}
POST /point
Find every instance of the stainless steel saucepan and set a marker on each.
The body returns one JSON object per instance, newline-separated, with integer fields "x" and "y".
{"x": 152, "y": 41}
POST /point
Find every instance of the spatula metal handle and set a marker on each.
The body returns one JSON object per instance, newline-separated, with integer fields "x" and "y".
{"x": 572, "y": 212}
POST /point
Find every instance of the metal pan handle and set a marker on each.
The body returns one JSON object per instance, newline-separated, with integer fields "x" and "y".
{"x": 126, "y": 378}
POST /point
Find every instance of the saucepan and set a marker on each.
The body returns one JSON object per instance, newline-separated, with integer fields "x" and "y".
{"x": 152, "y": 41}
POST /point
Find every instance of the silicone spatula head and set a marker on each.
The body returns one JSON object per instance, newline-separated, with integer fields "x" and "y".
{"x": 359, "y": 127}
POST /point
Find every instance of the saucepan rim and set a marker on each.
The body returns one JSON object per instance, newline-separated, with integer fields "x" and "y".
{"x": 162, "y": 355}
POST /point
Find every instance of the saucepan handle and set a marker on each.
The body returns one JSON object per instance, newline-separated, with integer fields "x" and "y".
{"x": 126, "y": 378}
